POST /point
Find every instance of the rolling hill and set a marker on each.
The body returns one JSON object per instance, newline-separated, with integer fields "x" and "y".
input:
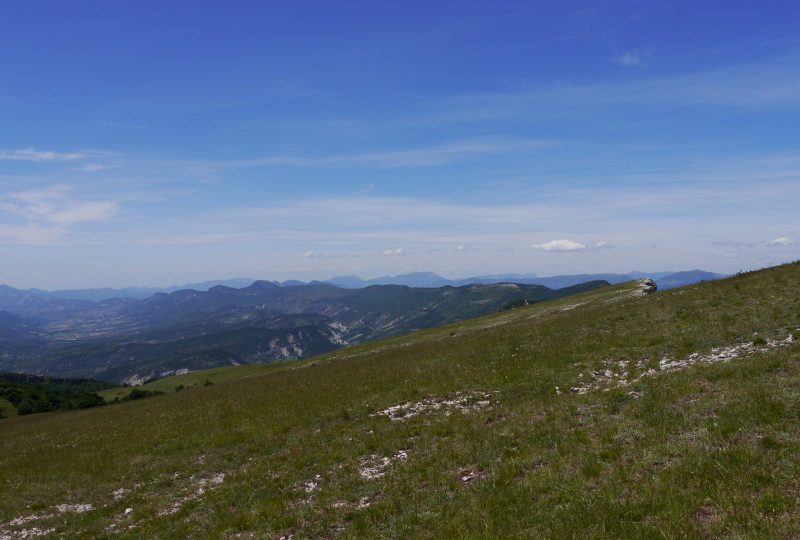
{"x": 689, "y": 277}
{"x": 608, "y": 414}
{"x": 133, "y": 341}
{"x": 664, "y": 280}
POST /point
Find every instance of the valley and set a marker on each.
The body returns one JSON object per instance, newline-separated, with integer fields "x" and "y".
{"x": 126, "y": 340}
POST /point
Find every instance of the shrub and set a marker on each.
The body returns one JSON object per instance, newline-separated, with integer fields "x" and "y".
{"x": 516, "y": 303}
{"x": 26, "y": 406}
{"x": 139, "y": 393}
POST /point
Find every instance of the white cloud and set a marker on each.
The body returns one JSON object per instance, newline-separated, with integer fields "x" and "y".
{"x": 767, "y": 84}
{"x": 466, "y": 247}
{"x": 47, "y": 214}
{"x": 314, "y": 255}
{"x": 94, "y": 167}
{"x": 782, "y": 241}
{"x": 603, "y": 245}
{"x": 393, "y": 252}
{"x": 738, "y": 245}
{"x": 52, "y": 206}
{"x": 414, "y": 157}
{"x": 631, "y": 59}
{"x": 560, "y": 245}
{"x": 31, "y": 154}
{"x": 30, "y": 233}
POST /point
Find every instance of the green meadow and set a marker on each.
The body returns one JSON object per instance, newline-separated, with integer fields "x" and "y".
{"x": 487, "y": 440}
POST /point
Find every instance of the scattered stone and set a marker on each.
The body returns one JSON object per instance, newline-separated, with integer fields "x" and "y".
{"x": 362, "y": 503}
{"x": 35, "y": 532}
{"x": 22, "y": 520}
{"x": 464, "y": 402}
{"x": 374, "y": 466}
{"x": 217, "y": 479}
{"x": 74, "y": 508}
{"x": 467, "y": 476}
{"x": 617, "y": 374}
{"x": 199, "y": 489}
{"x": 312, "y": 485}
{"x": 647, "y": 286}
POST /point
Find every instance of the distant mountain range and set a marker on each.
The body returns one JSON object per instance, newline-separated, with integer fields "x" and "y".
{"x": 135, "y": 333}
{"x": 665, "y": 280}
{"x": 139, "y": 293}
{"x": 129, "y": 340}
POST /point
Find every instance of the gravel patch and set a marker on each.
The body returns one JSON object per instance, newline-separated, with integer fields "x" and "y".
{"x": 463, "y": 402}
{"x": 617, "y": 374}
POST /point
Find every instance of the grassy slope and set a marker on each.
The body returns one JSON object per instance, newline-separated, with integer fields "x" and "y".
{"x": 711, "y": 451}
{"x": 7, "y": 409}
{"x": 194, "y": 378}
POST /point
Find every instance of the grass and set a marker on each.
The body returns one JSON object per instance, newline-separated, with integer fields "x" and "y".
{"x": 193, "y": 379}
{"x": 7, "y": 409}
{"x": 711, "y": 451}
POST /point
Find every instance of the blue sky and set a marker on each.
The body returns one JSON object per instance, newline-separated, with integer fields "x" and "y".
{"x": 151, "y": 143}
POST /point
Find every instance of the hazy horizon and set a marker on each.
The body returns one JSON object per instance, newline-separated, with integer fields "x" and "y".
{"x": 147, "y": 144}
{"x": 452, "y": 277}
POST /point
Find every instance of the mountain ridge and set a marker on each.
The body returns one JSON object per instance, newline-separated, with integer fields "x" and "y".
{"x": 133, "y": 340}
{"x": 412, "y": 279}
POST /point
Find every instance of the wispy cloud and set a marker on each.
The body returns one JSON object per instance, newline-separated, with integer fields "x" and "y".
{"x": 632, "y": 59}
{"x": 414, "y": 157}
{"x": 619, "y": 214}
{"x": 310, "y": 254}
{"x": 124, "y": 125}
{"x": 94, "y": 167}
{"x": 733, "y": 244}
{"x": 5, "y": 98}
{"x": 30, "y": 233}
{"x": 53, "y": 206}
{"x": 767, "y": 84}
{"x": 560, "y": 245}
{"x": 569, "y": 245}
{"x": 581, "y": 219}
{"x": 47, "y": 214}
{"x": 783, "y": 241}
{"x": 39, "y": 156}
{"x": 393, "y": 252}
